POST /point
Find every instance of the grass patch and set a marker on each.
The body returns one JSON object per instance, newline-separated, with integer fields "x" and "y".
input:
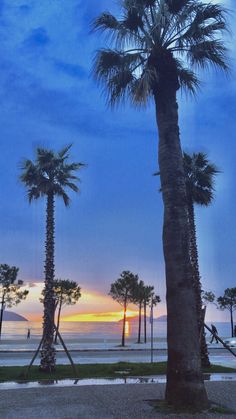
{"x": 218, "y": 369}
{"x": 161, "y": 406}
{"x": 221, "y": 410}
{"x": 96, "y": 371}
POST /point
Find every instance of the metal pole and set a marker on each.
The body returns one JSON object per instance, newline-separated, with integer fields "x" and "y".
{"x": 151, "y": 321}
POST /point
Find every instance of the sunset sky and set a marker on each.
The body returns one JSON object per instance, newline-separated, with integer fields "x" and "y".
{"x": 49, "y": 99}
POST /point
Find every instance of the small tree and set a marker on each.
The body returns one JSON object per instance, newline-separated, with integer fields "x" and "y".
{"x": 10, "y": 292}
{"x": 66, "y": 293}
{"x": 228, "y": 302}
{"x": 208, "y": 297}
{"x": 122, "y": 291}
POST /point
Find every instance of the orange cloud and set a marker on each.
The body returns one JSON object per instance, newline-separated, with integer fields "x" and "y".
{"x": 110, "y": 316}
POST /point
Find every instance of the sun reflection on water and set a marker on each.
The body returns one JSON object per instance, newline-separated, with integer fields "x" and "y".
{"x": 127, "y": 329}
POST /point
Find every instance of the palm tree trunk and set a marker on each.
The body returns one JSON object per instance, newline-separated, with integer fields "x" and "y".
{"x": 48, "y": 355}
{"x": 197, "y": 284}
{"x": 139, "y": 322}
{"x": 124, "y": 323}
{"x": 145, "y": 321}
{"x": 1, "y": 314}
{"x": 185, "y": 386}
{"x": 58, "y": 320}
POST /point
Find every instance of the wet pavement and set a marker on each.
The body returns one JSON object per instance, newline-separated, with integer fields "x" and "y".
{"x": 13, "y": 385}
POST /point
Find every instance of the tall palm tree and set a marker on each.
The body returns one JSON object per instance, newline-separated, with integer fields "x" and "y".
{"x": 138, "y": 298}
{"x": 49, "y": 176}
{"x": 200, "y": 174}
{"x": 154, "y": 47}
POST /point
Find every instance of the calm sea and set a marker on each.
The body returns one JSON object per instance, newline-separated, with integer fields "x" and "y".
{"x": 94, "y": 330}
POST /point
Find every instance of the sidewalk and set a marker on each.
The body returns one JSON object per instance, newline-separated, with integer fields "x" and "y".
{"x": 104, "y": 402}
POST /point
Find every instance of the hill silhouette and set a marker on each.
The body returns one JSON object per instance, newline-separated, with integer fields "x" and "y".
{"x": 13, "y": 317}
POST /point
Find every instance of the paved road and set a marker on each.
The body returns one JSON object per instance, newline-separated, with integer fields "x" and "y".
{"x": 217, "y": 356}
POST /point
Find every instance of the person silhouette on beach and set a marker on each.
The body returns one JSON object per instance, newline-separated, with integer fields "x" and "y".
{"x": 214, "y": 330}
{"x": 28, "y": 334}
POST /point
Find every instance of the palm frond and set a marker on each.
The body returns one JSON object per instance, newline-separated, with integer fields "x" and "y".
{"x": 64, "y": 151}
{"x": 141, "y": 87}
{"x": 108, "y": 62}
{"x": 133, "y": 20}
{"x": 106, "y": 21}
{"x": 175, "y": 6}
{"x": 72, "y": 186}
{"x": 200, "y": 176}
{"x": 188, "y": 80}
{"x": 118, "y": 87}
{"x": 208, "y": 53}
{"x": 33, "y": 193}
{"x": 59, "y": 191}
{"x": 210, "y": 12}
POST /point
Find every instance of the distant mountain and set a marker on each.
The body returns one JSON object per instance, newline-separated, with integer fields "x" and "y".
{"x": 13, "y": 317}
{"x": 161, "y": 318}
{"x": 157, "y": 319}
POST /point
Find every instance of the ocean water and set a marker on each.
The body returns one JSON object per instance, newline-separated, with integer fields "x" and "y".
{"x": 95, "y": 330}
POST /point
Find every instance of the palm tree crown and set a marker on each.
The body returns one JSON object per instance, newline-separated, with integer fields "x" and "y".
{"x": 199, "y": 173}
{"x": 50, "y": 174}
{"x": 155, "y": 41}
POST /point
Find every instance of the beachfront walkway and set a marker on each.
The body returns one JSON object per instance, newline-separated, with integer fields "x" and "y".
{"x": 103, "y": 402}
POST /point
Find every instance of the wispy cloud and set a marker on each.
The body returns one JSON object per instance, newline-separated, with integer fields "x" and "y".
{"x": 37, "y": 38}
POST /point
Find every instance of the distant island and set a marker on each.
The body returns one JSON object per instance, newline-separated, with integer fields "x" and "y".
{"x": 157, "y": 319}
{"x": 13, "y": 317}
{"x": 161, "y": 318}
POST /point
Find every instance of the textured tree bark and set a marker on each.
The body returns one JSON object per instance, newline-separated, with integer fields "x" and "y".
{"x": 197, "y": 284}
{"x": 185, "y": 386}
{"x": 48, "y": 354}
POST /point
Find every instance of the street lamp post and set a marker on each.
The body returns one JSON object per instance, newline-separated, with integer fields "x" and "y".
{"x": 151, "y": 323}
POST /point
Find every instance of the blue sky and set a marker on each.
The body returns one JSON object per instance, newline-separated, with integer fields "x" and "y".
{"x": 48, "y": 98}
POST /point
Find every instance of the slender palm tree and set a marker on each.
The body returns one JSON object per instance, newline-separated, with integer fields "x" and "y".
{"x": 138, "y": 298}
{"x": 200, "y": 174}
{"x": 49, "y": 176}
{"x": 155, "y": 45}
{"x": 148, "y": 295}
